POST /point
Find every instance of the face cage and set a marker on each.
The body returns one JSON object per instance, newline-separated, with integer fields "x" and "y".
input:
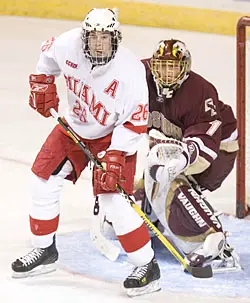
{"x": 115, "y": 40}
{"x": 164, "y": 72}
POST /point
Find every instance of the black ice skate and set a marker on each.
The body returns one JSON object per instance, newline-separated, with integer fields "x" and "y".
{"x": 36, "y": 262}
{"x": 143, "y": 279}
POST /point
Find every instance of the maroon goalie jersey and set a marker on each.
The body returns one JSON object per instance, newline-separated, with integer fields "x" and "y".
{"x": 195, "y": 112}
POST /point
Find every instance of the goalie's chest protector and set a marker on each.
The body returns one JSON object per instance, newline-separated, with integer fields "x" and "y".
{"x": 173, "y": 115}
{"x": 164, "y": 114}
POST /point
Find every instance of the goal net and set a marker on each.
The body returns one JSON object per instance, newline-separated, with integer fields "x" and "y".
{"x": 243, "y": 116}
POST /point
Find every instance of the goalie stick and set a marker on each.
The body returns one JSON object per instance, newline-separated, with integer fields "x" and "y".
{"x": 197, "y": 272}
{"x": 104, "y": 245}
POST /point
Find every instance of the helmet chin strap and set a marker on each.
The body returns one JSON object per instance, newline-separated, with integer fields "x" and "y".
{"x": 163, "y": 92}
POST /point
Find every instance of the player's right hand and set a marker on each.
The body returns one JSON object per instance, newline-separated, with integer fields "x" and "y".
{"x": 43, "y": 94}
{"x": 113, "y": 161}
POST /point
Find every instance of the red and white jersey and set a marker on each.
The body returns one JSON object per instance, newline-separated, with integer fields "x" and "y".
{"x": 112, "y": 98}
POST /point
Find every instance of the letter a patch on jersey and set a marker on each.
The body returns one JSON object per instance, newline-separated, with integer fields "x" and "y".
{"x": 112, "y": 88}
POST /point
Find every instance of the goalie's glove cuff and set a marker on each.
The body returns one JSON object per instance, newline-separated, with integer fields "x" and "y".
{"x": 169, "y": 171}
{"x": 175, "y": 166}
{"x": 191, "y": 152}
{"x": 169, "y": 157}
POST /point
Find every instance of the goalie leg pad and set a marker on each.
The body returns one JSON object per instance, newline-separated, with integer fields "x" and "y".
{"x": 188, "y": 213}
{"x": 185, "y": 215}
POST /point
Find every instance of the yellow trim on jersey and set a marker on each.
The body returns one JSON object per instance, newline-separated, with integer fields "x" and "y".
{"x": 133, "y": 13}
{"x": 198, "y": 167}
{"x": 230, "y": 146}
{"x": 138, "y": 183}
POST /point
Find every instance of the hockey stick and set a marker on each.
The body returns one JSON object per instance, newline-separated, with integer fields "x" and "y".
{"x": 198, "y": 272}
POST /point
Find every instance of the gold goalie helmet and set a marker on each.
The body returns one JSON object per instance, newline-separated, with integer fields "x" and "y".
{"x": 170, "y": 64}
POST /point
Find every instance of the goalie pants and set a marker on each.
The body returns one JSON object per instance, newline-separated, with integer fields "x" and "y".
{"x": 60, "y": 158}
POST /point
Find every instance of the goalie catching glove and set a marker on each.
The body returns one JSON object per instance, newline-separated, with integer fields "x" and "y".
{"x": 43, "y": 94}
{"x": 169, "y": 157}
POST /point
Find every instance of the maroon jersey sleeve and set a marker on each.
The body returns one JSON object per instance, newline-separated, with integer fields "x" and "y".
{"x": 229, "y": 125}
{"x": 203, "y": 121}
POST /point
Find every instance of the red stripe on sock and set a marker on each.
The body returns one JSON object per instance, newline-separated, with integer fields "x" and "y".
{"x": 135, "y": 240}
{"x": 43, "y": 227}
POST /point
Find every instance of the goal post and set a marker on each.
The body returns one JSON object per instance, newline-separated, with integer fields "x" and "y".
{"x": 242, "y": 98}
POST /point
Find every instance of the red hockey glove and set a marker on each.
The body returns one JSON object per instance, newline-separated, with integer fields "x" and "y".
{"x": 43, "y": 95}
{"x": 113, "y": 162}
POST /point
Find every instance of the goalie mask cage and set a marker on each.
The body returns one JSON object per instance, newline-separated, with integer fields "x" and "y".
{"x": 243, "y": 116}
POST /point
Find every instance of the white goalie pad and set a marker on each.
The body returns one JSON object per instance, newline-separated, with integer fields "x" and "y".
{"x": 156, "y": 193}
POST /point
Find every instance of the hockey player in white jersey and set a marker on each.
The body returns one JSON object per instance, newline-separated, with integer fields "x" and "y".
{"x": 108, "y": 109}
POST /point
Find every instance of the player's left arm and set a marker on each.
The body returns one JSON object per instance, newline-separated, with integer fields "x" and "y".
{"x": 131, "y": 125}
{"x": 125, "y": 141}
{"x": 132, "y": 120}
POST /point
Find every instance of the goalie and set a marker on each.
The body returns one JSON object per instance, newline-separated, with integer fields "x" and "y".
{"x": 193, "y": 146}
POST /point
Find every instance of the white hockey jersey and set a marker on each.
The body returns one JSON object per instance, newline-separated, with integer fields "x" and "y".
{"x": 106, "y": 99}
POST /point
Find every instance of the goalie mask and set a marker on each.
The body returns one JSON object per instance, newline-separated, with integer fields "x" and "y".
{"x": 170, "y": 64}
{"x": 100, "y": 35}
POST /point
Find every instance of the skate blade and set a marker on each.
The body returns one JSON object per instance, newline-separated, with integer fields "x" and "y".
{"x": 39, "y": 270}
{"x": 151, "y": 287}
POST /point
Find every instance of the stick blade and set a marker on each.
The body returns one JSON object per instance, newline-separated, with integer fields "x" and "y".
{"x": 200, "y": 272}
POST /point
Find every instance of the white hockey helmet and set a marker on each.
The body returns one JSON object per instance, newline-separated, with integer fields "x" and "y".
{"x": 103, "y": 20}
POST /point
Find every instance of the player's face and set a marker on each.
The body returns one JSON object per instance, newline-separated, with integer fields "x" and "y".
{"x": 167, "y": 71}
{"x": 100, "y": 44}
